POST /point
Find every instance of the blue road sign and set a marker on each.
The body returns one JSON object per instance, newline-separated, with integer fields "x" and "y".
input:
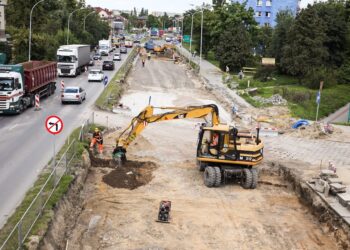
{"x": 105, "y": 80}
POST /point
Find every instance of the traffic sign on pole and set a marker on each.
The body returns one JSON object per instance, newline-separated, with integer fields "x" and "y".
{"x": 54, "y": 124}
{"x": 105, "y": 80}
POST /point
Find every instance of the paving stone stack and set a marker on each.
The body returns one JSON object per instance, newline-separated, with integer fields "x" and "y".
{"x": 274, "y": 100}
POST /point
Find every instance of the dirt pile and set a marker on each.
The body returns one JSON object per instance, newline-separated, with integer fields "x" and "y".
{"x": 130, "y": 175}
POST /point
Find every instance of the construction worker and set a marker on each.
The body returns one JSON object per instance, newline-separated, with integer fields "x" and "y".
{"x": 215, "y": 140}
{"x": 97, "y": 138}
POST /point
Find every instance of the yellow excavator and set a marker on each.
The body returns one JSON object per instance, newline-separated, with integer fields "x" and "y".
{"x": 222, "y": 151}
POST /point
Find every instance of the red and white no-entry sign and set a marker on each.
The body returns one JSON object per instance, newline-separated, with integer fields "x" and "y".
{"x": 54, "y": 124}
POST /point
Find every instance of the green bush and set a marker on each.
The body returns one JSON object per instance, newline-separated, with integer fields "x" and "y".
{"x": 344, "y": 73}
{"x": 294, "y": 96}
{"x": 264, "y": 73}
{"x": 316, "y": 75}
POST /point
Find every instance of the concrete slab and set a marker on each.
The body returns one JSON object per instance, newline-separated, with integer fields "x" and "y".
{"x": 344, "y": 199}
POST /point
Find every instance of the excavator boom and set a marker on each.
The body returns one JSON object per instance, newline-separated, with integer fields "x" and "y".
{"x": 139, "y": 122}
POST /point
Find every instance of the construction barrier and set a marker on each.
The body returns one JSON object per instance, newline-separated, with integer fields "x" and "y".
{"x": 62, "y": 85}
{"x": 268, "y": 132}
{"x": 37, "y": 102}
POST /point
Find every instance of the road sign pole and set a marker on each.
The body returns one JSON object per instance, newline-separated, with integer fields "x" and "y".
{"x": 349, "y": 114}
{"x": 318, "y": 107}
{"x": 54, "y": 151}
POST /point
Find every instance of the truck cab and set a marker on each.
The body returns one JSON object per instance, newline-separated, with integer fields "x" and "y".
{"x": 105, "y": 46}
{"x": 11, "y": 88}
{"x": 67, "y": 62}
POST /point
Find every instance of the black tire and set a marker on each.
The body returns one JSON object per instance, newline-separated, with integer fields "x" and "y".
{"x": 63, "y": 102}
{"x": 217, "y": 177}
{"x": 255, "y": 177}
{"x": 201, "y": 166}
{"x": 20, "y": 107}
{"x": 209, "y": 176}
{"x": 247, "y": 178}
{"x": 32, "y": 101}
{"x": 53, "y": 88}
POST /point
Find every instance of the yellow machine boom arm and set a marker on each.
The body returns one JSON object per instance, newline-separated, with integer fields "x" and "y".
{"x": 146, "y": 116}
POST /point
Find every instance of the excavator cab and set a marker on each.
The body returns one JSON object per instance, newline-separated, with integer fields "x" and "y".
{"x": 223, "y": 153}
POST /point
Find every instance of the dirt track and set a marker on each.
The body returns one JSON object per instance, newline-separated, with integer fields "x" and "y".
{"x": 229, "y": 217}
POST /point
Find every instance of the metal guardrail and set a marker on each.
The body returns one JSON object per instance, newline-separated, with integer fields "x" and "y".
{"x": 21, "y": 230}
{"x": 84, "y": 130}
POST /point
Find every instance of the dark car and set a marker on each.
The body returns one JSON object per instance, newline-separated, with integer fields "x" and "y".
{"x": 97, "y": 56}
{"x": 123, "y": 50}
{"x": 108, "y": 65}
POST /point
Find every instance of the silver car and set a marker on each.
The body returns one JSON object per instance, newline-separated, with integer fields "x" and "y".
{"x": 73, "y": 94}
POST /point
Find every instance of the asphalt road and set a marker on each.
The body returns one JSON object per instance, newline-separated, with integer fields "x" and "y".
{"x": 25, "y": 145}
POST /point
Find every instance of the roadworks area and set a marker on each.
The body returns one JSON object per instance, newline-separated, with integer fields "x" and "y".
{"x": 110, "y": 207}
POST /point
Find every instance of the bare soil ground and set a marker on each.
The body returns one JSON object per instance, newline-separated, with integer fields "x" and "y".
{"x": 120, "y": 205}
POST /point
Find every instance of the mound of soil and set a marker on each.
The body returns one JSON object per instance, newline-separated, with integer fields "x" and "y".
{"x": 130, "y": 175}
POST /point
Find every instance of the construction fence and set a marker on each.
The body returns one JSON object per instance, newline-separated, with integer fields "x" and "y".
{"x": 22, "y": 229}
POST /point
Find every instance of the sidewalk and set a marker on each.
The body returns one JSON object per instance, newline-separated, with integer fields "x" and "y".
{"x": 341, "y": 115}
{"x": 212, "y": 77}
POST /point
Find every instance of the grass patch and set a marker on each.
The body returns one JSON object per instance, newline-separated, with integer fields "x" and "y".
{"x": 47, "y": 213}
{"x": 302, "y": 100}
{"x": 343, "y": 123}
{"x": 211, "y": 58}
{"x": 113, "y": 90}
{"x": 276, "y": 80}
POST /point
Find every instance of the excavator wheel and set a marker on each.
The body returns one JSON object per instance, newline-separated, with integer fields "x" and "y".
{"x": 254, "y": 178}
{"x": 217, "y": 177}
{"x": 209, "y": 176}
{"x": 247, "y": 178}
{"x": 201, "y": 165}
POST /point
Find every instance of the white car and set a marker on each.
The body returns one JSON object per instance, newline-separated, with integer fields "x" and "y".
{"x": 117, "y": 57}
{"x": 73, "y": 94}
{"x": 95, "y": 75}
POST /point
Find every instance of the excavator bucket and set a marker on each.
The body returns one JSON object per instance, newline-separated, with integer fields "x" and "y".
{"x": 119, "y": 155}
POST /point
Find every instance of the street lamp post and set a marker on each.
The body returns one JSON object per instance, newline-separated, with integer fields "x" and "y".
{"x": 86, "y": 17}
{"x": 30, "y": 29}
{"x": 182, "y": 31}
{"x": 200, "y": 52}
{"x": 191, "y": 33}
{"x": 70, "y": 15}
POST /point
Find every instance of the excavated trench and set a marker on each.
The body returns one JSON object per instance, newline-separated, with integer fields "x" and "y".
{"x": 130, "y": 175}
{"x": 330, "y": 222}
{"x": 135, "y": 174}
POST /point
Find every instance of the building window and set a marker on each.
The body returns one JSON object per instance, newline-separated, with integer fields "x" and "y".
{"x": 258, "y": 13}
{"x": 259, "y": 2}
{"x": 268, "y": 3}
{"x": 268, "y": 14}
{"x": 267, "y": 24}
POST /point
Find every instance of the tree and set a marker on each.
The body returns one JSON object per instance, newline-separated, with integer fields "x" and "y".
{"x": 305, "y": 45}
{"x": 284, "y": 22}
{"x": 233, "y": 48}
{"x": 264, "y": 39}
{"x": 334, "y": 16}
{"x": 49, "y": 27}
{"x": 153, "y": 22}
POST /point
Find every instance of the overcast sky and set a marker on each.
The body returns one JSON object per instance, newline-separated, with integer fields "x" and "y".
{"x": 178, "y": 6}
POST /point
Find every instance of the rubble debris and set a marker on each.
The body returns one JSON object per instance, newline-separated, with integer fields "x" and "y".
{"x": 130, "y": 175}
{"x": 274, "y": 100}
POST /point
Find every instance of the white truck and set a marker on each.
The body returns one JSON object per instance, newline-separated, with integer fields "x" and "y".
{"x": 105, "y": 46}
{"x": 72, "y": 59}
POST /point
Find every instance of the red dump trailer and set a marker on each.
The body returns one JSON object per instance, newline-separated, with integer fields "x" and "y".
{"x": 21, "y": 82}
